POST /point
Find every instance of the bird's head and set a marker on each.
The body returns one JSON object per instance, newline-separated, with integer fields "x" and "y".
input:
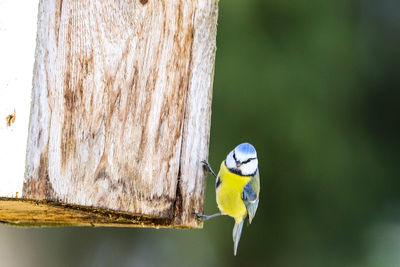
{"x": 243, "y": 160}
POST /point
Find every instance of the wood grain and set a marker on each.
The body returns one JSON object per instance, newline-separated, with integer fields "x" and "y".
{"x": 121, "y": 106}
{"x": 26, "y": 212}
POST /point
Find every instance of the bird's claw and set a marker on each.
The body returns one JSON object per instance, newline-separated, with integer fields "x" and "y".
{"x": 199, "y": 216}
{"x": 208, "y": 167}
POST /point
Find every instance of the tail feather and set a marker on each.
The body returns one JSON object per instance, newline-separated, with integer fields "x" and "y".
{"x": 237, "y": 232}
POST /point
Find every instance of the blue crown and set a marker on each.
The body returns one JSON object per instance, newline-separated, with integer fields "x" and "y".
{"x": 246, "y": 149}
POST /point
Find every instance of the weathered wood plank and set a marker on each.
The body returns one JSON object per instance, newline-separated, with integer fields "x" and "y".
{"x": 26, "y": 212}
{"x": 197, "y": 122}
{"x": 121, "y": 106}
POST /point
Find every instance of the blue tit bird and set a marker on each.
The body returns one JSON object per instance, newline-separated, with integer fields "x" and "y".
{"x": 237, "y": 188}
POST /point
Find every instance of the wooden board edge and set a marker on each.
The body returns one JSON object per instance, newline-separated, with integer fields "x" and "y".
{"x": 43, "y": 213}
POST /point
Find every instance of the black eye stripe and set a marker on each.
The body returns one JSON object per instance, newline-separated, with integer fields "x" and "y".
{"x": 247, "y": 161}
{"x": 238, "y": 162}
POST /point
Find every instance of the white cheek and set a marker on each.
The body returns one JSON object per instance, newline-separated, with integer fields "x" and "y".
{"x": 249, "y": 168}
{"x": 230, "y": 162}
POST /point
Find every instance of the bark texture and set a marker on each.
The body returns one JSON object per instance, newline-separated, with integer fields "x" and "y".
{"x": 121, "y": 106}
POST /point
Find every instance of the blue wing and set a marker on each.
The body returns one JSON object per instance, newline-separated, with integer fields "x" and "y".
{"x": 250, "y": 196}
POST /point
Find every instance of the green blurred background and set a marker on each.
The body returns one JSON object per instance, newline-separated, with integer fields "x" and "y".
{"x": 315, "y": 86}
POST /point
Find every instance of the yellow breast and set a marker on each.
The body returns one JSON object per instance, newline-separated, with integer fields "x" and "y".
{"x": 229, "y": 193}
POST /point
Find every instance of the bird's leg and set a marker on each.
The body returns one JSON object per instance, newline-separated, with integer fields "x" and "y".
{"x": 203, "y": 217}
{"x": 208, "y": 167}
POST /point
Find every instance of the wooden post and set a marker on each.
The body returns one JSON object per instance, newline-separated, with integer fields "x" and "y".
{"x": 120, "y": 114}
